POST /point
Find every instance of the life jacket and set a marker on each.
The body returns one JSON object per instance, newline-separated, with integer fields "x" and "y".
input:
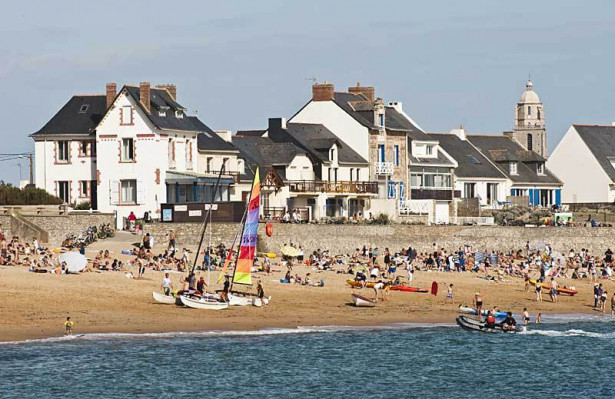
{"x": 490, "y": 319}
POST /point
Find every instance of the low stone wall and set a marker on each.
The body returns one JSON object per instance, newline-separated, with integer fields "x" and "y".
{"x": 345, "y": 238}
{"x": 58, "y": 227}
{"x": 5, "y": 223}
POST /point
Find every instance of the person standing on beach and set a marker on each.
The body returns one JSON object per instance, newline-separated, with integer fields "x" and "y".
{"x": 449, "y": 294}
{"x": 553, "y": 291}
{"x": 478, "y": 303}
{"x": 603, "y": 299}
{"x": 167, "y": 286}
{"x": 68, "y": 326}
{"x": 171, "y": 241}
{"x": 260, "y": 293}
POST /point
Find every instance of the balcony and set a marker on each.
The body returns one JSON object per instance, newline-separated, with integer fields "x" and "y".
{"x": 342, "y": 187}
{"x": 234, "y": 175}
{"x": 432, "y": 194}
{"x": 384, "y": 168}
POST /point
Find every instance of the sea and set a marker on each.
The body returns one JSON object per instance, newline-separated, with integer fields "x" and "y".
{"x": 568, "y": 356}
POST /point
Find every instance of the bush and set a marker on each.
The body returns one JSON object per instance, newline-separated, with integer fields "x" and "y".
{"x": 83, "y": 206}
{"x": 10, "y": 195}
{"x": 381, "y": 218}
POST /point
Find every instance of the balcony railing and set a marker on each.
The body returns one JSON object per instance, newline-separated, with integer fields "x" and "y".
{"x": 384, "y": 168}
{"x": 350, "y": 187}
{"x": 432, "y": 194}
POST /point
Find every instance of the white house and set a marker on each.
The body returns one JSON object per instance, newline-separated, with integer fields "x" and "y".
{"x": 413, "y": 173}
{"x": 129, "y": 151}
{"x": 476, "y": 177}
{"x": 584, "y": 160}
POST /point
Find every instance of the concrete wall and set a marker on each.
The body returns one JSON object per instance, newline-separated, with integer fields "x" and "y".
{"x": 345, "y": 238}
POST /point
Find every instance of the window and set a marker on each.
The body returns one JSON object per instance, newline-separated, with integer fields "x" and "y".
{"x": 210, "y": 164}
{"x": 396, "y": 154}
{"x": 380, "y": 152}
{"x": 392, "y": 191}
{"x": 128, "y": 150}
{"x": 530, "y": 142}
{"x": 351, "y": 173}
{"x": 63, "y": 151}
{"x": 84, "y": 108}
{"x": 84, "y": 188}
{"x": 538, "y": 113}
{"x": 381, "y": 120}
{"x": 128, "y": 192}
{"x": 474, "y": 160}
{"x": 225, "y": 164}
{"x": 83, "y": 148}
{"x": 93, "y": 149}
{"x": 188, "y": 154}
{"x": 332, "y": 154}
{"x": 126, "y": 116}
{"x": 540, "y": 168}
{"x": 468, "y": 190}
{"x": 179, "y": 114}
{"x": 513, "y": 168}
{"x": 358, "y": 175}
{"x": 64, "y": 191}
{"x": 529, "y": 111}
{"x": 429, "y": 150}
{"x": 171, "y": 151}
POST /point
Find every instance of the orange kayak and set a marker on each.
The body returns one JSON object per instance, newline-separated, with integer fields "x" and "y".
{"x": 560, "y": 290}
{"x": 357, "y": 284}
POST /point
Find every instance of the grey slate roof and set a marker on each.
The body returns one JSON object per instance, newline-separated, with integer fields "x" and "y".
{"x": 502, "y": 150}
{"x": 251, "y": 133}
{"x": 161, "y": 100}
{"x": 70, "y": 120}
{"x": 357, "y": 106}
{"x": 471, "y": 162}
{"x": 317, "y": 140}
{"x": 601, "y": 142}
{"x": 440, "y": 160}
{"x": 262, "y": 151}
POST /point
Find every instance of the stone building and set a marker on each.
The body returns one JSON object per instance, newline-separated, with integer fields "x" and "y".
{"x": 529, "y": 130}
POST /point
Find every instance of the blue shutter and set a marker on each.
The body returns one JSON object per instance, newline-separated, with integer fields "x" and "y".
{"x": 531, "y": 195}
{"x": 391, "y": 189}
{"x": 401, "y": 191}
{"x": 536, "y": 197}
{"x": 558, "y": 197}
{"x": 381, "y": 152}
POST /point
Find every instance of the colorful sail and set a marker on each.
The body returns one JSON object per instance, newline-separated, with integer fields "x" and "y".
{"x": 247, "y": 247}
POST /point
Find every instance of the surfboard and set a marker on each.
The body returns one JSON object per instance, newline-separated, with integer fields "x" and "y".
{"x": 434, "y": 288}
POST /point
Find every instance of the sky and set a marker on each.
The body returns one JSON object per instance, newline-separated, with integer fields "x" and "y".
{"x": 238, "y": 63}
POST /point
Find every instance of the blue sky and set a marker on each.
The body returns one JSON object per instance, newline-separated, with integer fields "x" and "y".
{"x": 238, "y": 63}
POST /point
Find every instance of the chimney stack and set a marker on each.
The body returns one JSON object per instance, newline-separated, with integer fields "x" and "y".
{"x": 111, "y": 93}
{"x": 368, "y": 92}
{"x": 323, "y": 91}
{"x": 172, "y": 89}
{"x": 144, "y": 96}
{"x": 275, "y": 127}
{"x": 461, "y": 132}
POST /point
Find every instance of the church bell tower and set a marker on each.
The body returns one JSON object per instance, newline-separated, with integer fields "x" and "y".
{"x": 530, "y": 129}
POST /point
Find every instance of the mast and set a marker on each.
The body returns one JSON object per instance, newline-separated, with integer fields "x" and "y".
{"x": 207, "y": 217}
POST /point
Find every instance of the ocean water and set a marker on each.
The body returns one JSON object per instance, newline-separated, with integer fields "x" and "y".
{"x": 558, "y": 359}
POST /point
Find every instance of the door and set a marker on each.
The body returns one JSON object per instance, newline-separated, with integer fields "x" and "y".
{"x": 442, "y": 216}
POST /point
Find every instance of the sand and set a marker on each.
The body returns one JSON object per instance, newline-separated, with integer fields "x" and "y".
{"x": 36, "y": 305}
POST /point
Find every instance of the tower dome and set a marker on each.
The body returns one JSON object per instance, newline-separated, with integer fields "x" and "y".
{"x": 529, "y": 96}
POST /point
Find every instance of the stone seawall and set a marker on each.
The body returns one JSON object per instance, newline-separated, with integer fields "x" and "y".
{"x": 345, "y": 238}
{"x": 58, "y": 227}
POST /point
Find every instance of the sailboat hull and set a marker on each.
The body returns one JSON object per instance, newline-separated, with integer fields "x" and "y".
{"x": 235, "y": 300}
{"x": 203, "y": 304}
{"x": 168, "y": 299}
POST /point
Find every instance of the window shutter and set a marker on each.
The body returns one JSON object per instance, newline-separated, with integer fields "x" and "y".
{"x": 140, "y": 192}
{"x": 114, "y": 192}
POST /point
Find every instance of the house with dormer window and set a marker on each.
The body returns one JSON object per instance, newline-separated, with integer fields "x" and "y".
{"x": 131, "y": 151}
{"x": 414, "y": 174}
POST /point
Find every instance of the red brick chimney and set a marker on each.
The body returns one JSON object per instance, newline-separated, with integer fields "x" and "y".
{"x": 172, "y": 89}
{"x": 323, "y": 91}
{"x": 144, "y": 95}
{"x": 369, "y": 92}
{"x": 111, "y": 93}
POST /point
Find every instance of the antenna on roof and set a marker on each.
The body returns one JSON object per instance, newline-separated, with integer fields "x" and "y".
{"x": 196, "y": 112}
{"x": 313, "y": 79}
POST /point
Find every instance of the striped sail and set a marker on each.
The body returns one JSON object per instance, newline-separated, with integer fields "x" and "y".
{"x": 247, "y": 247}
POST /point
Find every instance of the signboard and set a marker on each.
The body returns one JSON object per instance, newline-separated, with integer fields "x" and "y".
{"x": 214, "y": 207}
{"x": 167, "y": 215}
{"x": 181, "y": 208}
{"x": 197, "y": 212}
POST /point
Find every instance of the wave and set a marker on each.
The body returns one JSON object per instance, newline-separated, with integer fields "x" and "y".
{"x": 228, "y": 333}
{"x": 568, "y": 333}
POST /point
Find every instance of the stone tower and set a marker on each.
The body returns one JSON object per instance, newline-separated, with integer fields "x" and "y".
{"x": 529, "y": 128}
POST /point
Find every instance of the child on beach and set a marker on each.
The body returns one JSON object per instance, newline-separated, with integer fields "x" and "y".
{"x": 68, "y": 325}
{"x": 538, "y": 318}
{"x": 449, "y": 294}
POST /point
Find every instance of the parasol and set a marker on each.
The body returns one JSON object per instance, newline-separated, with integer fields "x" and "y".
{"x": 75, "y": 262}
{"x": 289, "y": 251}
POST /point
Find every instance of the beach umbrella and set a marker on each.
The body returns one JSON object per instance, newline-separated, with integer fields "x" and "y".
{"x": 75, "y": 262}
{"x": 289, "y": 251}
{"x": 557, "y": 256}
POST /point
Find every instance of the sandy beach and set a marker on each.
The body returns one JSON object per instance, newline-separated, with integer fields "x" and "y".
{"x": 35, "y": 305}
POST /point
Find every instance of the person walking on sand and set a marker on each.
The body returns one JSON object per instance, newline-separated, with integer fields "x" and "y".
{"x": 449, "y": 294}
{"x": 553, "y": 291}
{"x": 260, "y": 293}
{"x": 538, "y": 291}
{"x": 478, "y": 303}
{"x": 603, "y": 298}
{"x": 68, "y": 326}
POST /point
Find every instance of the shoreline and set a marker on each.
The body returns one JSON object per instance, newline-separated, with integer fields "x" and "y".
{"x": 431, "y": 322}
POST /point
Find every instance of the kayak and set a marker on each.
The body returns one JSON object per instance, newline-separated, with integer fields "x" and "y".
{"x": 475, "y": 325}
{"x": 560, "y": 290}
{"x": 469, "y": 310}
{"x": 357, "y": 284}
{"x": 406, "y": 288}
